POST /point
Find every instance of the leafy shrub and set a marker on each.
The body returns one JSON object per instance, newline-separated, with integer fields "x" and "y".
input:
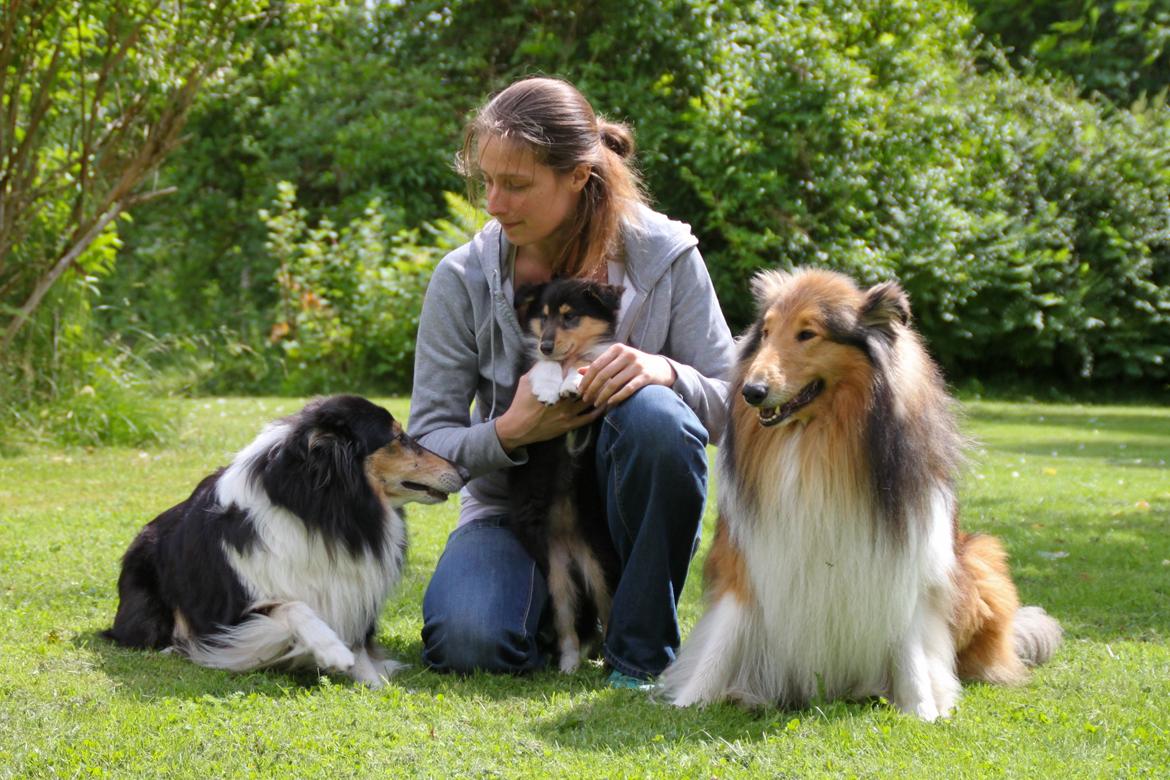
{"x": 880, "y": 138}
{"x": 350, "y": 298}
{"x": 1119, "y": 48}
{"x": 1027, "y": 225}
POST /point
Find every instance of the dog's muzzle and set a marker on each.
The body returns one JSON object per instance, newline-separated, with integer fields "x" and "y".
{"x": 756, "y": 393}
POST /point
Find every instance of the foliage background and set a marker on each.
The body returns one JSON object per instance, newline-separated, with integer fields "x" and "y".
{"x": 1010, "y": 164}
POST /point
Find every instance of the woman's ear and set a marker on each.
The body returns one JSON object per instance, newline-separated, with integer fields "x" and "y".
{"x": 579, "y": 176}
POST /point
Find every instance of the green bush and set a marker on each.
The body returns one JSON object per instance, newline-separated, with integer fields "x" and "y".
{"x": 1119, "y": 48}
{"x": 349, "y": 299}
{"x": 880, "y": 138}
{"x": 1029, "y": 226}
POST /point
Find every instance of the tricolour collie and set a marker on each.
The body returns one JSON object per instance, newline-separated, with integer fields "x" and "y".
{"x": 837, "y": 568}
{"x": 557, "y": 511}
{"x": 286, "y": 556}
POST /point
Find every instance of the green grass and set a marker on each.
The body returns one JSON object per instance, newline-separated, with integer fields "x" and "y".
{"x": 1080, "y": 495}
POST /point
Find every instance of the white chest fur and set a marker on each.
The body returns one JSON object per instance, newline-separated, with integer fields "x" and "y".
{"x": 291, "y": 563}
{"x": 837, "y": 592}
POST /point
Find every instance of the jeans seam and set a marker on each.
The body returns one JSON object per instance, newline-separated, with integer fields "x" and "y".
{"x": 617, "y": 480}
{"x": 531, "y": 591}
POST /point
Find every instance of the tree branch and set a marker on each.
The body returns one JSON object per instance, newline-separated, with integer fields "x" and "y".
{"x": 70, "y": 257}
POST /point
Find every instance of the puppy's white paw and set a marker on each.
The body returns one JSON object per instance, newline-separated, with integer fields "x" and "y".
{"x": 545, "y": 378}
{"x": 571, "y": 387}
{"x": 570, "y": 655}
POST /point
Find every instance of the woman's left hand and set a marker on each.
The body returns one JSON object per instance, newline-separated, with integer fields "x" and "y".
{"x": 621, "y": 371}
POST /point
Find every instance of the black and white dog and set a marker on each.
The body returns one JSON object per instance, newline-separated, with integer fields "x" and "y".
{"x": 557, "y": 511}
{"x": 285, "y": 557}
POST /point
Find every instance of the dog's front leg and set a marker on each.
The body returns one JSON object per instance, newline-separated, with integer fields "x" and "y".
{"x": 571, "y": 385}
{"x": 315, "y": 635}
{"x": 924, "y": 680}
{"x": 710, "y": 658}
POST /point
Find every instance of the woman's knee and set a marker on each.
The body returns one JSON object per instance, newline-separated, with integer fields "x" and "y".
{"x": 483, "y": 603}
{"x": 659, "y": 421}
{"x": 463, "y": 644}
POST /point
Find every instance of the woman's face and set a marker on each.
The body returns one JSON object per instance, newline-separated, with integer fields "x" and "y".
{"x": 530, "y": 200}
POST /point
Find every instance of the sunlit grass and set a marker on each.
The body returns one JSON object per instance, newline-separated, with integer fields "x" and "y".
{"x": 1080, "y": 494}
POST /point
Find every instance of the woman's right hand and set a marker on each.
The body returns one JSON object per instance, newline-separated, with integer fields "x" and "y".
{"x": 528, "y": 420}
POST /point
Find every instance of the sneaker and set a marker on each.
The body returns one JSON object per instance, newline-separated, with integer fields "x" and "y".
{"x": 624, "y": 681}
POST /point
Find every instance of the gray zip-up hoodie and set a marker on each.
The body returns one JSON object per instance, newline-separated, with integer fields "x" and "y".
{"x": 469, "y": 345}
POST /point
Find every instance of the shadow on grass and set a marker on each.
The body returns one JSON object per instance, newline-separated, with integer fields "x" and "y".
{"x": 151, "y": 674}
{"x": 640, "y": 721}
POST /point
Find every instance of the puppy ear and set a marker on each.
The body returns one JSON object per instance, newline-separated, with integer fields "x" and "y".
{"x": 608, "y": 295}
{"x": 526, "y": 296}
{"x": 885, "y": 305}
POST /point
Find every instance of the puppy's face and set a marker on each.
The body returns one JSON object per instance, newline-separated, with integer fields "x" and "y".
{"x": 816, "y": 333}
{"x": 565, "y": 318}
{"x": 403, "y": 470}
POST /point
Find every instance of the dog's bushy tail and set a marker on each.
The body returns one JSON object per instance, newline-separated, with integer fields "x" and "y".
{"x": 1037, "y": 635}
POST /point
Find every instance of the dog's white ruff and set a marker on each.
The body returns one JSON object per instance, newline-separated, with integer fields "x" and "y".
{"x": 317, "y": 601}
{"x": 843, "y": 607}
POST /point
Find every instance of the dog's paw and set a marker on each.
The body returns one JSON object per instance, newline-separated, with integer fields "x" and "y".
{"x": 547, "y": 398}
{"x": 387, "y": 668}
{"x": 570, "y": 655}
{"x": 545, "y": 379}
{"x": 571, "y": 387}
{"x": 335, "y": 656}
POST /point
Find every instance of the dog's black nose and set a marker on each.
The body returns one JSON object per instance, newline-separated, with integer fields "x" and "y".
{"x": 547, "y": 347}
{"x": 755, "y": 393}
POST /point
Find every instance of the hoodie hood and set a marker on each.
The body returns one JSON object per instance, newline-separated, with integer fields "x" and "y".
{"x": 652, "y": 243}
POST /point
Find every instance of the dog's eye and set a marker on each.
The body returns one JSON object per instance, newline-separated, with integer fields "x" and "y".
{"x": 805, "y": 335}
{"x": 571, "y": 318}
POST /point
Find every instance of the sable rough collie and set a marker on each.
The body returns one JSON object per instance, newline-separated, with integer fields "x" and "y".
{"x": 286, "y": 556}
{"x": 837, "y": 567}
{"x": 557, "y": 511}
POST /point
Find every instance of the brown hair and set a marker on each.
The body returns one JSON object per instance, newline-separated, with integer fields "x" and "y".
{"x": 552, "y": 118}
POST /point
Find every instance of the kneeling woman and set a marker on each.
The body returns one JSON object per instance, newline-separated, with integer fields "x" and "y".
{"x": 566, "y": 202}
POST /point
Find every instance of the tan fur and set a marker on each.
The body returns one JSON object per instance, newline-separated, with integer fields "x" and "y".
{"x": 786, "y": 365}
{"x": 837, "y": 377}
{"x": 725, "y": 570}
{"x": 985, "y": 604}
{"x": 387, "y": 468}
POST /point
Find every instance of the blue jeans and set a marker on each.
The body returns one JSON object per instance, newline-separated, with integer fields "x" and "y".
{"x": 484, "y": 604}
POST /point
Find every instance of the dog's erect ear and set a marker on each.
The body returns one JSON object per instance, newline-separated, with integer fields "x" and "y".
{"x": 885, "y": 305}
{"x": 766, "y": 286}
{"x": 526, "y": 296}
{"x": 608, "y": 295}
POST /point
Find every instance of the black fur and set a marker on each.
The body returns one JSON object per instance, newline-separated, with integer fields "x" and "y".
{"x": 177, "y": 561}
{"x": 563, "y": 467}
{"x": 326, "y": 452}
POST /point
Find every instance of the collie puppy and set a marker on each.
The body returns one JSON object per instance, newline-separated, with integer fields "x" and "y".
{"x": 285, "y": 557}
{"x": 557, "y": 511}
{"x": 838, "y": 569}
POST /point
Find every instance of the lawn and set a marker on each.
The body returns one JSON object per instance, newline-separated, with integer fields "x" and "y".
{"x": 1080, "y": 495}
